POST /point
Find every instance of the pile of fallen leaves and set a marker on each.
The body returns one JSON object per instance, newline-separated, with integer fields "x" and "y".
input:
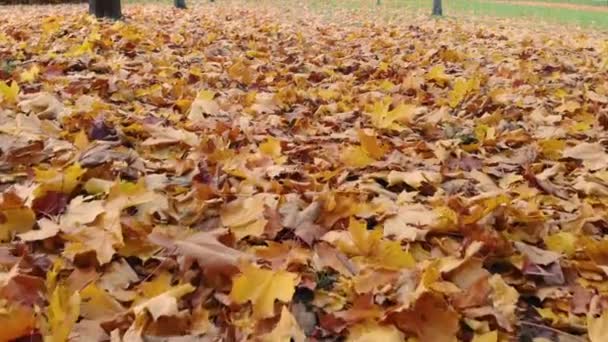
{"x": 230, "y": 173}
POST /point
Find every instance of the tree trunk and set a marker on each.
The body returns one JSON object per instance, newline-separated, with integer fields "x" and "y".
{"x": 437, "y": 8}
{"x": 105, "y": 8}
{"x": 180, "y": 3}
{"x": 377, "y": 2}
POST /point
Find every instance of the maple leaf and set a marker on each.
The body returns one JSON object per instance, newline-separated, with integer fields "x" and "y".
{"x": 42, "y": 105}
{"x": 460, "y": 90}
{"x": 59, "y": 181}
{"x": 203, "y": 104}
{"x": 302, "y": 221}
{"x": 286, "y": 330}
{"x": 437, "y": 74}
{"x": 9, "y": 94}
{"x": 47, "y": 229}
{"x": 205, "y": 247}
{"x": 593, "y": 155}
{"x": 16, "y": 217}
{"x": 374, "y": 332}
{"x": 164, "y": 304}
{"x": 16, "y": 321}
{"x": 63, "y": 312}
{"x": 491, "y": 336}
{"x": 97, "y": 304}
{"x": 431, "y": 319}
{"x": 356, "y": 156}
{"x": 262, "y": 287}
{"x": 562, "y": 242}
{"x": 597, "y": 327}
{"x": 369, "y": 244}
{"x": 272, "y": 148}
{"x": 30, "y": 75}
{"x": 384, "y": 118}
{"x": 245, "y": 216}
{"x": 371, "y": 145}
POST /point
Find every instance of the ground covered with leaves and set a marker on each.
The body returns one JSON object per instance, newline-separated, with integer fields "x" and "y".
{"x": 231, "y": 173}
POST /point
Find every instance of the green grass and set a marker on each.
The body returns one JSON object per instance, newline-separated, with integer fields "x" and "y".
{"x": 484, "y": 9}
{"x": 578, "y": 2}
{"x": 477, "y": 8}
{"x": 512, "y": 10}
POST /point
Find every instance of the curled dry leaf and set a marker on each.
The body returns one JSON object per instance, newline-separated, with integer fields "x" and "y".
{"x": 205, "y": 248}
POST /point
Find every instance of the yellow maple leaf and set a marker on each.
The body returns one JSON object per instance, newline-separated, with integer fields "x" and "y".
{"x": 262, "y": 287}
{"x": 371, "y": 245}
{"x": 81, "y": 140}
{"x": 161, "y": 283}
{"x": 552, "y": 148}
{"x": 272, "y": 148}
{"x": 371, "y": 145}
{"x": 356, "y": 156}
{"x": 78, "y": 50}
{"x": 206, "y": 95}
{"x": 97, "y": 303}
{"x": 9, "y": 94}
{"x": 491, "y": 336}
{"x": 328, "y": 94}
{"x": 245, "y": 216}
{"x": 58, "y": 180}
{"x": 372, "y": 332}
{"x": 164, "y": 304}
{"x": 30, "y": 75}
{"x": 391, "y": 255}
{"x": 241, "y": 72}
{"x": 383, "y": 118}
{"x": 16, "y": 220}
{"x": 549, "y": 314}
{"x": 462, "y": 88}
{"x": 286, "y": 330}
{"x": 437, "y": 74}
{"x": 562, "y": 242}
{"x": 62, "y": 313}
{"x": 504, "y": 297}
{"x": 15, "y": 217}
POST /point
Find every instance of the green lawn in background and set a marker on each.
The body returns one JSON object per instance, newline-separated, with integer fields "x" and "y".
{"x": 485, "y": 9}
{"x": 478, "y": 8}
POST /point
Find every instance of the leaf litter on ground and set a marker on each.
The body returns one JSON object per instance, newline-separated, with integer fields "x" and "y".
{"x": 231, "y": 173}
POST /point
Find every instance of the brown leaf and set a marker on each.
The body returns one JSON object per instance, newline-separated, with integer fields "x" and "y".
{"x": 431, "y": 319}
{"x": 205, "y": 248}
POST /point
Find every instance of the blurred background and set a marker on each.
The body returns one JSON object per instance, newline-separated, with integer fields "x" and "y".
{"x": 591, "y": 14}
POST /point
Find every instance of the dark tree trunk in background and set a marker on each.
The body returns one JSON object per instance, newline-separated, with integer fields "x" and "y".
{"x": 437, "y": 8}
{"x": 180, "y": 3}
{"x": 105, "y": 8}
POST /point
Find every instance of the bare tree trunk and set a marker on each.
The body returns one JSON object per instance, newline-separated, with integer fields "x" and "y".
{"x": 377, "y": 2}
{"x": 105, "y": 8}
{"x": 437, "y": 8}
{"x": 180, "y": 3}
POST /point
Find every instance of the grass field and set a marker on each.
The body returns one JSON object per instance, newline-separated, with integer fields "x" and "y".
{"x": 594, "y": 19}
{"x": 482, "y": 9}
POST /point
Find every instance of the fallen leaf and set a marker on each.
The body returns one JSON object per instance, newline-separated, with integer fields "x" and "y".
{"x": 372, "y": 332}
{"x": 165, "y": 304}
{"x": 592, "y": 154}
{"x": 286, "y": 330}
{"x": 205, "y": 248}
{"x": 262, "y": 287}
